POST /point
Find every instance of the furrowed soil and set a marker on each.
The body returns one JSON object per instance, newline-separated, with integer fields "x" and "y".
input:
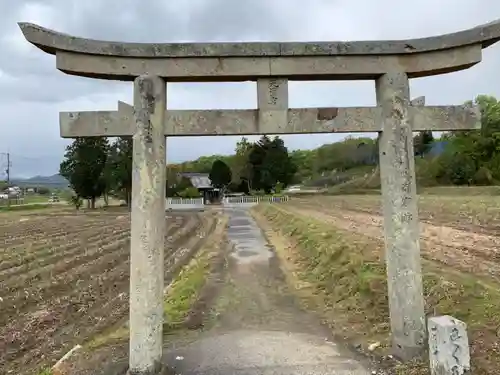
{"x": 333, "y": 248}
{"x": 456, "y": 241}
{"x": 64, "y": 278}
{"x": 190, "y": 289}
{"x": 478, "y": 214}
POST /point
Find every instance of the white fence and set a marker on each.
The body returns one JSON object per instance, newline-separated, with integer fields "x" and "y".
{"x": 252, "y": 200}
{"x": 184, "y": 204}
{"x": 241, "y": 201}
{"x": 4, "y": 201}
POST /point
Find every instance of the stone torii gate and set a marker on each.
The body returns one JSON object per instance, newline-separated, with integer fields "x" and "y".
{"x": 389, "y": 63}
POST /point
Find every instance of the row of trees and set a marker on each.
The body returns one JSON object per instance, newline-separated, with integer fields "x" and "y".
{"x": 470, "y": 157}
{"x": 458, "y": 158}
{"x": 96, "y": 167}
{"x": 325, "y": 164}
{"x": 264, "y": 165}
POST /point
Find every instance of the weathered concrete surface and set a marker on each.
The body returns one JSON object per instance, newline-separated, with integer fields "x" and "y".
{"x": 293, "y": 345}
{"x": 251, "y": 122}
{"x": 95, "y": 123}
{"x": 272, "y": 104}
{"x": 147, "y": 226}
{"x": 399, "y": 200}
{"x": 263, "y": 353}
{"x": 448, "y": 346}
{"x": 309, "y": 68}
{"x": 52, "y": 41}
{"x": 250, "y": 61}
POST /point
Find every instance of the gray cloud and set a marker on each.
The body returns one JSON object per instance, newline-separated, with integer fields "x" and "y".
{"x": 32, "y": 91}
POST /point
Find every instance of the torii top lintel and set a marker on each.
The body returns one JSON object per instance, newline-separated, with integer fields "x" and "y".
{"x": 249, "y": 61}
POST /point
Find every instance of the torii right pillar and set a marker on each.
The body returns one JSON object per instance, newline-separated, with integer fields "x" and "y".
{"x": 401, "y": 227}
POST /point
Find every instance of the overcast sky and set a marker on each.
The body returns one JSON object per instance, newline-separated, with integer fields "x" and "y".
{"x": 32, "y": 91}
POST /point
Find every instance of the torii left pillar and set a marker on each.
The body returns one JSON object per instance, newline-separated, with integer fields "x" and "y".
{"x": 147, "y": 226}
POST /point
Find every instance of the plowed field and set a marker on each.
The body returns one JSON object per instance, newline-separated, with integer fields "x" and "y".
{"x": 460, "y": 233}
{"x": 64, "y": 279}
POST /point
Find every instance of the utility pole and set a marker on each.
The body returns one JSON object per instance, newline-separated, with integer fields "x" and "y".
{"x": 8, "y": 168}
{"x": 8, "y": 178}
{"x": 7, "y": 172}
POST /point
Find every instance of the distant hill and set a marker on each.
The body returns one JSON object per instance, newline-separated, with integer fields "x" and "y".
{"x": 54, "y": 181}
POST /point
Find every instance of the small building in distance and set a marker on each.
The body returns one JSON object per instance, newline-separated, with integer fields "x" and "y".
{"x": 13, "y": 191}
{"x": 201, "y": 181}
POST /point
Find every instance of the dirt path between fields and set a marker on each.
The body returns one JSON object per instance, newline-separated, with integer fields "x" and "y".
{"x": 468, "y": 251}
{"x": 255, "y": 325}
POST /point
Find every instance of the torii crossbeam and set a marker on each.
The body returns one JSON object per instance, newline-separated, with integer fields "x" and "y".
{"x": 389, "y": 63}
{"x": 246, "y": 122}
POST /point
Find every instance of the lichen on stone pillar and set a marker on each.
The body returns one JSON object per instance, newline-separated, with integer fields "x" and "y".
{"x": 399, "y": 201}
{"x": 147, "y": 226}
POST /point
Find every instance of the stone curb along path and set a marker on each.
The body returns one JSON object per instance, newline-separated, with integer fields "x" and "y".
{"x": 257, "y": 348}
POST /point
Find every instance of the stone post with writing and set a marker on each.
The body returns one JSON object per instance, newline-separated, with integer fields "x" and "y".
{"x": 448, "y": 346}
{"x": 399, "y": 201}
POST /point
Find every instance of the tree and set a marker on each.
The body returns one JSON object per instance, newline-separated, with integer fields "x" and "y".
{"x": 120, "y": 165}
{"x": 270, "y": 164}
{"x": 83, "y": 166}
{"x": 304, "y": 161}
{"x": 240, "y": 165}
{"x": 76, "y": 201}
{"x": 108, "y": 174}
{"x": 422, "y": 143}
{"x": 177, "y": 185}
{"x": 460, "y": 169}
{"x": 220, "y": 175}
{"x": 473, "y": 156}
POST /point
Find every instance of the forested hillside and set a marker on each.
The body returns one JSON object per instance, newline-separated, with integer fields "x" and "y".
{"x": 471, "y": 157}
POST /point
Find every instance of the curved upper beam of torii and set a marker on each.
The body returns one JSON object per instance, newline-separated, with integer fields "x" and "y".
{"x": 249, "y": 61}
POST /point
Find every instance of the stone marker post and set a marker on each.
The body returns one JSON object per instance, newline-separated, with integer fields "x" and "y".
{"x": 399, "y": 201}
{"x": 147, "y": 226}
{"x": 448, "y": 346}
